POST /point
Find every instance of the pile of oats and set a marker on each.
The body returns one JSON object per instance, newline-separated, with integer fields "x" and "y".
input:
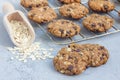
{"x": 20, "y": 32}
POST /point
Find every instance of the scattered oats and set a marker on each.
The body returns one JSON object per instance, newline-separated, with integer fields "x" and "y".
{"x": 43, "y": 49}
{"x": 11, "y": 58}
{"x": 10, "y": 49}
{"x": 33, "y": 52}
{"x": 25, "y": 61}
{"x": 51, "y": 49}
{"x": 33, "y": 57}
{"x": 51, "y": 57}
{"x": 43, "y": 58}
{"x": 17, "y": 57}
{"x": 21, "y": 59}
{"x": 13, "y": 53}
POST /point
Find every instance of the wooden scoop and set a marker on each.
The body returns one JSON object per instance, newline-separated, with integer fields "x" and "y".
{"x": 12, "y": 14}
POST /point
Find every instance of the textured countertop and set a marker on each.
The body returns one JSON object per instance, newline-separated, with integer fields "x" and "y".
{"x": 44, "y": 70}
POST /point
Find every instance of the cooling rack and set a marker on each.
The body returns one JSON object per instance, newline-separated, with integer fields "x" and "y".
{"x": 84, "y": 34}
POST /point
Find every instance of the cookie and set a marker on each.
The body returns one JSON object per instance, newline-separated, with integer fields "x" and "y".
{"x": 74, "y": 10}
{"x": 34, "y": 3}
{"x": 101, "y": 5}
{"x": 42, "y": 14}
{"x": 69, "y": 1}
{"x": 99, "y": 54}
{"x": 63, "y": 28}
{"x": 98, "y": 23}
{"x": 68, "y": 62}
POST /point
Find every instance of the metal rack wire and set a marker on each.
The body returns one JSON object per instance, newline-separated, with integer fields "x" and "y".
{"x": 84, "y": 34}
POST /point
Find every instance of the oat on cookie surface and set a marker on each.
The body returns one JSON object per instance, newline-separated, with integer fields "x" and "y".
{"x": 70, "y": 1}
{"x": 98, "y": 23}
{"x": 101, "y": 5}
{"x": 42, "y": 15}
{"x": 63, "y": 28}
{"x": 74, "y": 10}
{"x": 34, "y": 3}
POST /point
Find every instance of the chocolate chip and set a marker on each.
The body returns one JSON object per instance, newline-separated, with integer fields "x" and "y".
{"x": 87, "y": 67}
{"x": 101, "y": 48}
{"x": 45, "y": 9}
{"x": 68, "y": 32}
{"x": 38, "y": 5}
{"x": 78, "y": 50}
{"x": 83, "y": 11}
{"x": 103, "y": 54}
{"x": 70, "y": 57}
{"x": 69, "y": 46}
{"x": 101, "y": 58}
{"x": 61, "y": 30}
{"x": 70, "y": 67}
{"x": 93, "y": 25}
{"x": 74, "y": 46}
{"x": 74, "y": 28}
{"x": 76, "y": 33}
{"x": 96, "y": 31}
{"x": 63, "y": 55}
{"x": 30, "y": 6}
{"x": 101, "y": 24}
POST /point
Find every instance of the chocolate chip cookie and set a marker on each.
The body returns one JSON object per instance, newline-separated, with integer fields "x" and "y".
{"x": 74, "y": 10}
{"x": 68, "y": 62}
{"x": 99, "y": 54}
{"x": 63, "y": 28}
{"x": 34, "y": 3}
{"x": 69, "y": 1}
{"x": 101, "y": 5}
{"x": 98, "y": 23}
{"x": 42, "y": 14}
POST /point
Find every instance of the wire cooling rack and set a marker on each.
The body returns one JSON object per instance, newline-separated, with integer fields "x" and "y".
{"x": 84, "y": 34}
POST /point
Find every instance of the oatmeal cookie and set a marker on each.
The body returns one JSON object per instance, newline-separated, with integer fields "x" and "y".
{"x": 63, "y": 28}
{"x": 98, "y": 23}
{"x": 42, "y": 15}
{"x": 68, "y": 62}
{"x": 74, "y": 10}
{"x": 101, "y": 5}
{"x": 34, "y": 3}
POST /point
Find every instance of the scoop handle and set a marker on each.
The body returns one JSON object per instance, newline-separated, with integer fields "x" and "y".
{"x": 7, "y": 7}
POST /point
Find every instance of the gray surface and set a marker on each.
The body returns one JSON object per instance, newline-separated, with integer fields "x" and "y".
{"x": 44, "y": 70}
